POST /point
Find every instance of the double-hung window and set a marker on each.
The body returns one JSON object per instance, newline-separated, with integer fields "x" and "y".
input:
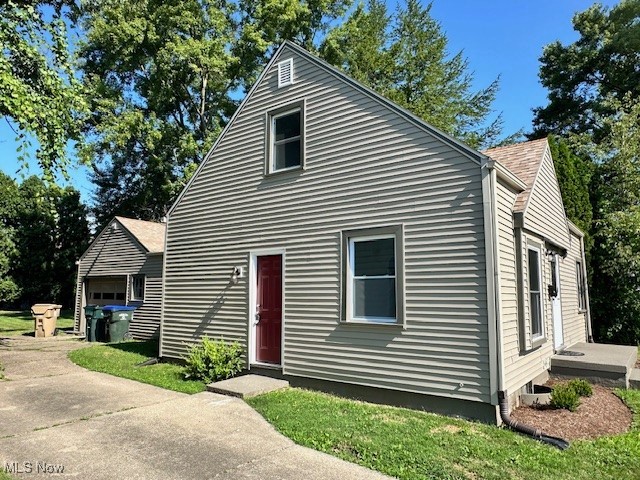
{"x": 535, "y": 293}
{"x": 137, "y": 287}
{"x": 286, "y": 138}
{"x": 582, "y": 287}
{"x": 372, "y": 279}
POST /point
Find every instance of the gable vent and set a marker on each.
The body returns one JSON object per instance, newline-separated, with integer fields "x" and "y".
{"x": 285, "y": 72}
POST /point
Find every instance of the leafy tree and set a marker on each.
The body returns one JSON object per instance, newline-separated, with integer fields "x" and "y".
{"x": 9, "y": 290}
{"x": 40, "y": 96}
{"x": 164, "y": 77}
{"x": 404, "y": 57}
{"x": 616, "y": 254}
{"x": 72, "y": 239}
{"x": 574, "y": 174}
{"x": 34, "y": 267}
{"x": 603, "y": 63}
{"x": 43, "y": 232}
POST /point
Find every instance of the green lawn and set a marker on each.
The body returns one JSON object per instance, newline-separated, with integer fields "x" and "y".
{"x": 409, "y": 444}
{"x": 120, "y": 359}
{"x": 3, "y": 474}
{"x": 21, "y": 322}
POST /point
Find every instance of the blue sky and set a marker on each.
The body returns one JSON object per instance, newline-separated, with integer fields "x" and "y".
{"x": 498, "y": 37}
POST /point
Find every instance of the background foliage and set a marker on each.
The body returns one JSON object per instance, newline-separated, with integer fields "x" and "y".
{"x": 594, "y": 102}
{"x": 40, "y": 95}
{"x": 43, "y": 231}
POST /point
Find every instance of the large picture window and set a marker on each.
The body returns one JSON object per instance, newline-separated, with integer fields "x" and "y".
{"x": 373, "y": 275}
{"x": 535, "y": 293}
{"x": 286, "y": 138}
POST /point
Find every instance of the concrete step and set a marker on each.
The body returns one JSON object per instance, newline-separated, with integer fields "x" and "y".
{"x": 608, "y": 365}
{"x": 634, "y": 378}
{"x": 247, "y": 386}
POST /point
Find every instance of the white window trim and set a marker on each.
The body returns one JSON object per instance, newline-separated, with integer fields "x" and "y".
{"x": 273, "y": 142}
{"x": 541, "y": 335}
{"x": 351, "y": 277}
{"x": 134, "y": 298}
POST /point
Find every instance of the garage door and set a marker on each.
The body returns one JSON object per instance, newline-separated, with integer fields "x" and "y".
{"x": 106, "y": 291}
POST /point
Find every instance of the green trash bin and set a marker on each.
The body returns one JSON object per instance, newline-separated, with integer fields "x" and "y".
{"x": 117, "y": 318}
{"x": 94, "y": 317}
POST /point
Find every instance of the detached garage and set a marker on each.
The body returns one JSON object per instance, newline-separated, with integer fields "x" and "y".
{"x": 123, "y": 266}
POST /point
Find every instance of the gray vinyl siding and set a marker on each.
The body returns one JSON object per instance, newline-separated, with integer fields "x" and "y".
{"x": 528, "y": 364}
{"x": 544, "y": 212}
{"x": 505, "y": 197}
{"x": 116, "y": 254}
{"x": 519, "y": 367}
{"x": 573, "y": 321}
{"x": 147, "y": 315}
{"x": 365, "y": 166}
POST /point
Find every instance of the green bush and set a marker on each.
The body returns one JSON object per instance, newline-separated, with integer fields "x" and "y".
{"x": 564, "y": 396}
{"x": 581, "y": 387}
{"x": 213, "y": 360}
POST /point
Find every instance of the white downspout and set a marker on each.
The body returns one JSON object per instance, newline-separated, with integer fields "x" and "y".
{"x": 493, "y": 280}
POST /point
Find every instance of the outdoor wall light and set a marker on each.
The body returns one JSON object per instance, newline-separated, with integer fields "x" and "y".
{"x": 236, "y": 274}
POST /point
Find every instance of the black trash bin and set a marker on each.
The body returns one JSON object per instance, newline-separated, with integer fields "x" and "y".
{"x": 94, "y": 317}
{"x": 117, "y": 318}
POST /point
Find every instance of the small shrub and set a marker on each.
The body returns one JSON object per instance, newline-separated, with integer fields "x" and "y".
{"x": 581, "y": 387}
{"x": 213, "y": 360}
{"x": 1, "y": 371}
{"x": 564, "y": 396}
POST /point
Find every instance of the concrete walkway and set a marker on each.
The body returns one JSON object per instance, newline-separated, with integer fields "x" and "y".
{"x": 54, "y": 414}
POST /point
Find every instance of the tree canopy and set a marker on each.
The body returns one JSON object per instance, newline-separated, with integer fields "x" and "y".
{"x": 616, "y": 256}
{"x": 43, "y": 231}
{"x": 40, "y": 96}
{"x": 594, "y": 98}
{"x": 603, "y": 63}
{"x": 165, "y": 77}
{"x": 404, "y": 56}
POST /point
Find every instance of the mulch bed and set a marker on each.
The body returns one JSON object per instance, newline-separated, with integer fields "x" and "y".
{"x": 601, "y": 414}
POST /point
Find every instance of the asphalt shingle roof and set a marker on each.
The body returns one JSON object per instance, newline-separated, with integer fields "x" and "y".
{"x": 524, "y": 160}
{"x": 149, "y": 234}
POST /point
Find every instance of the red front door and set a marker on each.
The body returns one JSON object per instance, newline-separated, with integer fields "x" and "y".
{"x": 269, "y": 309}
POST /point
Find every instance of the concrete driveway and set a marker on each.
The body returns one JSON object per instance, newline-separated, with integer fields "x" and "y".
{"x": 55, "y": 415}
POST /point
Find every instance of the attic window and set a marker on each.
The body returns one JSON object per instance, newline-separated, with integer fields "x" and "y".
{"x": 285, "y": 138}
{"x": 285, "y": 73}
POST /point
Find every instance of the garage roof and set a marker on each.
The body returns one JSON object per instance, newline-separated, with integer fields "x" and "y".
{"x": 149, "y": 234}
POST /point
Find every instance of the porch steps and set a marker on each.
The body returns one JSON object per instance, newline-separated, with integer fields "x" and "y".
{"x": 247, "y": 386}
{"x": 634, "y": 378}
{"x": 609, "y": 365}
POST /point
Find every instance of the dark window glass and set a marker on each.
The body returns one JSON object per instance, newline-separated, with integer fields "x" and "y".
{"x": 287, "y": 126}
{"x": 554, "y": 279}
{"x": 97, "y": 295}
{"x": 287, "y": 154}
{"x": 536, "y": 324}
{"x": 119, "y": 296}
{"x": 374, "y": 257}
{"x": 534, "y": 275}
{"x": 582, "y": 288}
{"x": 108, "y": 296}
{"x": 375, "y": 297}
